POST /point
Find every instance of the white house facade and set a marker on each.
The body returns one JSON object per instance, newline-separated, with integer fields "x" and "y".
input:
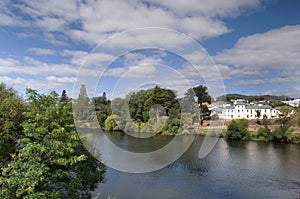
{"x": 241, "y": 110}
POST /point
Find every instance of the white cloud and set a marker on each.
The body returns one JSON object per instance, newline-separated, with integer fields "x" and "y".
{"x": 61, "y": 79}
{"x": 94, "y": 21}
{"x": 42, "y": 51}
{"x": 136, "y": 65}
{"x": 31, "y": 66}
{"x": 249, "y": 83}
{"x": 260, "y": 54}
{"x": 21, "y": 83}
{"x": 275, "y": 49}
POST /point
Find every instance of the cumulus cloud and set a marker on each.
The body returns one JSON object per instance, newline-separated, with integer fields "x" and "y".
{"x": 22, "y": 83}
{"x": 42, "y": 51}
{"x": 275, "y": 49}
{"x": 91, "y": 21}
{"x": 260, "y": 54}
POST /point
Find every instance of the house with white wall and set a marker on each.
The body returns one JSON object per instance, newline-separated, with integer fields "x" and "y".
{"x": 240, "y": 109}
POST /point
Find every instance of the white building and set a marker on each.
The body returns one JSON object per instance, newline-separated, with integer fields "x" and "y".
{"x": 293, "y": 103}
{"x": 241, "y": 110}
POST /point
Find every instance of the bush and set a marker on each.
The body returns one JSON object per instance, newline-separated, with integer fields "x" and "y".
{"x": 238, "y": 130}
{"x": 111, "y": 124}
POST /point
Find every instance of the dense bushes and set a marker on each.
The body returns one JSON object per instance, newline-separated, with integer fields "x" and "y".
{"x": 238, "y": 130}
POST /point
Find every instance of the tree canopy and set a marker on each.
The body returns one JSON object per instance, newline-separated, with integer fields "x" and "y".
{"x": 49, "y": 161}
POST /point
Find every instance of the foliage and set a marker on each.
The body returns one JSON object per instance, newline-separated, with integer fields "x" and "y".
{"x": 274, "y": 98}
{"x": 297, "y": 116}
{"x": 202, "y": 94}
{"x": 64, "y": 98}
{"x": 50, "y": 161}
{"x": 81, "y": 107}
{"x": 111, "y": 124}
{"x": 102, "y": 108}
{"x": 11, "y": 116}
{"x": 238, "y": 130}
{"x": 283, "y": 132}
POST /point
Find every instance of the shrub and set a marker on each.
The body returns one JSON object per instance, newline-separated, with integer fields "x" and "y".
{"x": 238, "y": 130}
{"x": 111, "y": 124}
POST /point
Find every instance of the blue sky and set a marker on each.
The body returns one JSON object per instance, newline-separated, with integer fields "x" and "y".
{"x": 253, "y": 46}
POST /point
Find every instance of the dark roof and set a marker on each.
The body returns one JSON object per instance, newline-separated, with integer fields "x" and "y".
{"x": 259, "y": 107}
{"x": 229, "y": 107}
{"x": 218, "y": 110}
{"x": 240, "y": 103}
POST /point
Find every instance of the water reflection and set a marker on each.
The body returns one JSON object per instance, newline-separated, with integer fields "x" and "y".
{"x": 234, "y": 169}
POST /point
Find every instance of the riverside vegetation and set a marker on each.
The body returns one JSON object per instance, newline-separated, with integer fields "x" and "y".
{"x": 148, "y": 110}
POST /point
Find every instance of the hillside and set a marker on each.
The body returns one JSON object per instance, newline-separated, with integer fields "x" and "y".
{"x": 253, "y": 97}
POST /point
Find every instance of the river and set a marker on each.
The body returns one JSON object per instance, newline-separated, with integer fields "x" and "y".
{"x": 233, "y": 169}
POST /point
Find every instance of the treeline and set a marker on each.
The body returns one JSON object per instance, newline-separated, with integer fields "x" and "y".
{"x": 41, "y": 155}
{"x": 154, "y": 110}
{"x": 252, "y": 98}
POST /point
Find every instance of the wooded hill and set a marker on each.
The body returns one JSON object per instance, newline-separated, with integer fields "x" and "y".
{"x": 229, "y": 97}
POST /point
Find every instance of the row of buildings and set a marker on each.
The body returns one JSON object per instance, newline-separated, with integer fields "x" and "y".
{"x": 240, "y": 109}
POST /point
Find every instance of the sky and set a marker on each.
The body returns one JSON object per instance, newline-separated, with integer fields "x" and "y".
{"x": 242, "y": 46}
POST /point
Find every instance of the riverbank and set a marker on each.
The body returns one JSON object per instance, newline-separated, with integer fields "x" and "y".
{"x": 223, "y": 133}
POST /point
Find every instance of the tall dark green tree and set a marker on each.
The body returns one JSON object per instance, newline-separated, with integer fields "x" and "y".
{"x": 64, "y": 97}
{"x": 202, "y": 96}
{"x": 102, "y": 108}
{"x": 81, "y": 107}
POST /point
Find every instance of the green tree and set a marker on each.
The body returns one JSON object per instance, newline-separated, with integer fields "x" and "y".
{"x": 81, "y": 107}
{"x": 202, "y": 96}
{"x": 238, "y": 130}
{"x": 11, "y": 117}
{"x": 297, "y": 115}
{"x": 102, "y": 108}
{"x": 50, "y": 161}
{"x": 283, "y": 132}
{"x": 111, "y": 123}
{"x": 258, "y": 114}
{"x": 64, "y": 98}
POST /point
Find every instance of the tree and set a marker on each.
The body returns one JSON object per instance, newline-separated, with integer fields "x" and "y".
{"x": 11, "y": 117}
{"x": 238, "y": 130}
{"x": 50, "y": 161}
{"x": 202, "y": 94}
{"x": 204, "y": 114}
{"x": 102, "y": 108}
{"x": 258, "y": 114}
{"x": 64, "y": 97}
{"x": 283, "y": 132}
{"x": 111, "y": 123}
{"x": 81, "y": 107}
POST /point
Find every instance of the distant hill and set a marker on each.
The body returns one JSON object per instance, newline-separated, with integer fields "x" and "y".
{"x": 253, "y": 97}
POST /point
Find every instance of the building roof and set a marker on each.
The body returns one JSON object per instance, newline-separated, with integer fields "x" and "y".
{"x": 229, "y": 107}
{"x": 259, "y": 107}
{"x": 240, "y": 103}
{"x": 218, "y": 110}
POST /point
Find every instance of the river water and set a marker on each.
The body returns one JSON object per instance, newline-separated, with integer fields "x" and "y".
{"x": 234, "y": 169}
